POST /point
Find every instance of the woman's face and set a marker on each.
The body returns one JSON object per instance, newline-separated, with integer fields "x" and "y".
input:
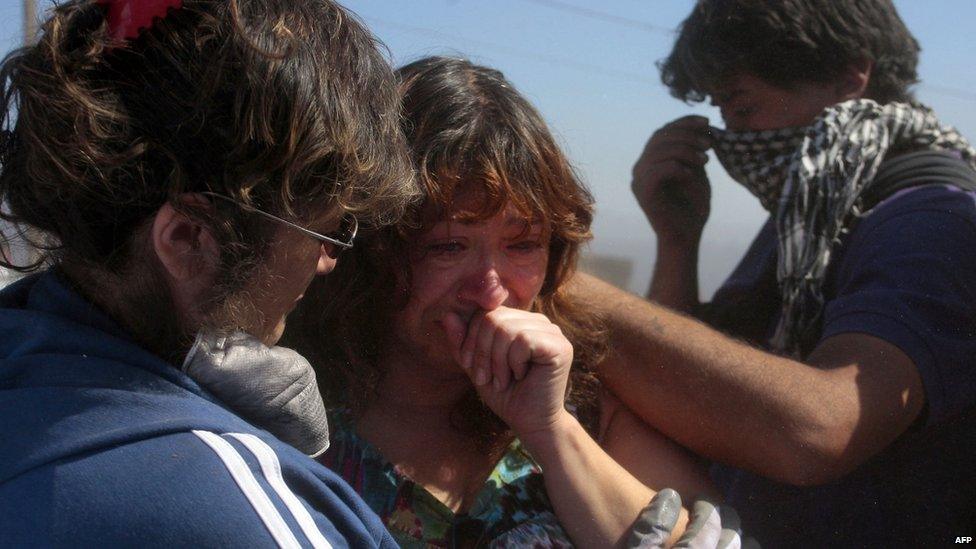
{"x": 461, "y": 267}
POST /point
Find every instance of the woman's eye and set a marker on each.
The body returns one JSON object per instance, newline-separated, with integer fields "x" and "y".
{"x": 526, "y": 246}
{"x": 445, "y": 248}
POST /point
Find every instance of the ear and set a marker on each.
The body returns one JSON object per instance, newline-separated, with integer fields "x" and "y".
{"x": 186, "y": 249}
{"x": 854, "y": 80}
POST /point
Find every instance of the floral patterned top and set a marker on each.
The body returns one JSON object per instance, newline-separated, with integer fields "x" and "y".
{"x": 511, "y": 509}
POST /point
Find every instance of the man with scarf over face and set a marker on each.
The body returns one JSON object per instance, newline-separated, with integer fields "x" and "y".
{"x": 831, "y": 379}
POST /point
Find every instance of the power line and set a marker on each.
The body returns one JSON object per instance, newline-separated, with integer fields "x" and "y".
{"x": 638, "y": 78}
{"x": 949, "y": 92}
{"x": 548, "y": 59}
{"x": 603, "y": 16}
{"x": 644, "y": 25}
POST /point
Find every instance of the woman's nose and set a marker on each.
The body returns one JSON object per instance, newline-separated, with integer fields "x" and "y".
{"x": 485, "y": 288}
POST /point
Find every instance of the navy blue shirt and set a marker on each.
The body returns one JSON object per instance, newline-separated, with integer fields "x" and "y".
{"x": 906, "y": 274}
{"x": 103, "y": 444}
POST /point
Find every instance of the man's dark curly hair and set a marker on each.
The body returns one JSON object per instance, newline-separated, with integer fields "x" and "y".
{"x": 785, "y": 42}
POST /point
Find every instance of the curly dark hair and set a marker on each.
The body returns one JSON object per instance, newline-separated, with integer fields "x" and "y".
{"x": 477, "y": 143}
{"x": 286, "y": 105}
{"x": 786, "y": 42}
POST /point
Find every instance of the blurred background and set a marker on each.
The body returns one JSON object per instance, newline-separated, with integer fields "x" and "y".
{"x": 590, "y": 68}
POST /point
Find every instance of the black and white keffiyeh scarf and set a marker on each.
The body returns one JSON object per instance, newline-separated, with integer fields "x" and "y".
{"x": 812, "y": 178}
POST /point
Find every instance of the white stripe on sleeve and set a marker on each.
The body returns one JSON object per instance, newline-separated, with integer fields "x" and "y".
{"x": 272, "y": 472}
{"x": 253, "y": 491}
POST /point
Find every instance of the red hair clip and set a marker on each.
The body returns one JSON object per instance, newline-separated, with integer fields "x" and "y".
{"x": 127, "y": 17}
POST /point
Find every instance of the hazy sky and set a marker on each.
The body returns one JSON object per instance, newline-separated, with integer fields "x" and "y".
{"x": 590, "y": 69}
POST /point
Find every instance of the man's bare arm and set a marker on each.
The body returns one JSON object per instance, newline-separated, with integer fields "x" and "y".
{"x": 802, "y": 424}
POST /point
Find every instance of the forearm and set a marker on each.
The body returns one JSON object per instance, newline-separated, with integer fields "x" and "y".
{"x": 717, "y": 396}
{"x": 596, "y": 500}
{"x": 674, "y": 282}
{"x": 654, "y": 459}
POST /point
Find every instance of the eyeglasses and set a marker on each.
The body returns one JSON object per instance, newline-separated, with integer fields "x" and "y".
{"x": 347, "y": 229}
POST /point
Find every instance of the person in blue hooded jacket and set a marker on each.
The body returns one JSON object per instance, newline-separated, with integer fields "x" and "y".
{"x": 187, "y": 168}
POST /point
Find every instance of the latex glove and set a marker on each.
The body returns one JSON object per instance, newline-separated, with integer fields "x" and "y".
{"x": 709, "y": 527}
{"x": 273, "y": 388}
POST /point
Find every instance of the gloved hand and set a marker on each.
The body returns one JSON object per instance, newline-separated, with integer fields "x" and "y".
{"x": 709, "y": 527}
{"x": 273, "y": 388}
